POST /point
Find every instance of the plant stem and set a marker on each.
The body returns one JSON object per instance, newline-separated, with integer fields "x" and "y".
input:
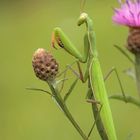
{"x": 137, "y": 71}
{"x": 63, "y": 106}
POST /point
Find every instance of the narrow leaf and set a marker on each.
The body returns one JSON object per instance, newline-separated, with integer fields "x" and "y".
{"x": 38, "y": 89}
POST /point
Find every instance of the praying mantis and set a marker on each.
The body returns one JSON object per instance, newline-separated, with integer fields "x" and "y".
{"x": 93, "y": 73}
{"x": 97, "y": 94}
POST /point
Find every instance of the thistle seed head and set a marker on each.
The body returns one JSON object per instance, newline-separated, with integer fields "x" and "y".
{"x": 44, "y": 65}
{"x": 133, "y": 40}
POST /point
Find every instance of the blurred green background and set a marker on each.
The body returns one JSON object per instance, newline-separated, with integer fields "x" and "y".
{"x": 26, "y": 25}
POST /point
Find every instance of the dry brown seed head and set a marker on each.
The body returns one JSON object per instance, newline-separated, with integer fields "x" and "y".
{"x": 44, "y": 65}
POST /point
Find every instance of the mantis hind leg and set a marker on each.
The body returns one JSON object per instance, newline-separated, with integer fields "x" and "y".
{"x": 123, "y": 97}
{"x": 113, "y": 69}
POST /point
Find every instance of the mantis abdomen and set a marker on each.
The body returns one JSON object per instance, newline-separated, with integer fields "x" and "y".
{"x": 98, "y": 86}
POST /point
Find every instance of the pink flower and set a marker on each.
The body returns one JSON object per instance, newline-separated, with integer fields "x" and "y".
{"x": 128, "y": 14}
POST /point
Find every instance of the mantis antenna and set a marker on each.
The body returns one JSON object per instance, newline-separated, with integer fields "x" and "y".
{"x": 82, "y": 6}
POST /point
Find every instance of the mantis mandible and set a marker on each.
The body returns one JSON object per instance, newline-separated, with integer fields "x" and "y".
{"x": 93, "y": 71}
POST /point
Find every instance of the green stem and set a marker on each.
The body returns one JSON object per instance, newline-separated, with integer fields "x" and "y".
{"x": 137, "y": 70}
{"x": 127, "y": 99}
{"x": 63, "y": 106}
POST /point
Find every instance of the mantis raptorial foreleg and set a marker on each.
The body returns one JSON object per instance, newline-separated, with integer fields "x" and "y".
{"x": 62, "y": 40}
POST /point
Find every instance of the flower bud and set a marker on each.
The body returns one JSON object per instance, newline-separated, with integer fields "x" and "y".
{"x": 133, "y": 40}
{"x": 129, "y": 15}
{"x": 44, "y": 65}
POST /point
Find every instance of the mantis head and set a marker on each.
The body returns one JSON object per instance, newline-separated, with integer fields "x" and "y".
{"x": 82, "y": 18}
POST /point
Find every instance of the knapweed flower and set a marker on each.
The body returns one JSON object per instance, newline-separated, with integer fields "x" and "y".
{"x": 44, "y": 65}
{"x": 129, "y": 15}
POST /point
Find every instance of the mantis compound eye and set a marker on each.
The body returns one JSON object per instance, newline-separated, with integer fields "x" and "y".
{"x": 44, "y": 65}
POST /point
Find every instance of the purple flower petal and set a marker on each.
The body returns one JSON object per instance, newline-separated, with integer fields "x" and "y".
{"x": 128, "y": 14}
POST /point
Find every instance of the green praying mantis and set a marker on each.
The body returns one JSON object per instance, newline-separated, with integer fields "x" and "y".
{"x": 93, "y": 74}
{"x": 97, "y": 94}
